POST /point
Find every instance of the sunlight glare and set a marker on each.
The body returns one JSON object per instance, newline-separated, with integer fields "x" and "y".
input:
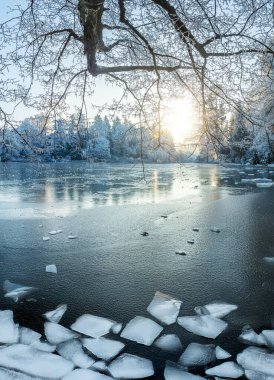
{"x": 180, "y": 119}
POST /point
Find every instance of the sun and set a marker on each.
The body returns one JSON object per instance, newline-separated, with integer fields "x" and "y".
{"x": 180, "y": 118}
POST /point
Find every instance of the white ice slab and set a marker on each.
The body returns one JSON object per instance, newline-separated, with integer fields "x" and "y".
{"x": 129, "y": 366}
{"x": 221, "y": 353}
{"x": 28, "y": 336}
{"x": 174, "y": 371}
{"x": 46, "y": 238}
{"x": 216, "y": 309}
{"x": 9, "y": 331}
{"x": 253, "y": 375}
{"x": 205, "y": 325}
{"x": 268, "y": 336}
{"x": 142, "y": 330}
{"x": 116, "y": 329}
{"x": 56, "y": 315}
{"x": 197, "y": 354}
{"x": 72, "y": 237}
{"x": 7, "y": 374}
{"x": 56, "y": 333}
{"x": 16, "y": 291}
{"x": 72, "y": 350}
{"x": 85, "y": 374}
{"x": 257, "y": 359}
{"x": 34, "y": 362}
{"x": 92, "y": 325}
{"x": 164, "y": 308}
{"x": 55, "y": 232}
{"x": 51, "y": 268}
{"x": 249, "y": 336}
{"x": 43, "y": 346}
{"x": 169, "y": 342}
{"x": 227, "y": 369}
{"x": 103, "y": 348}
{"x": 100, "y": 365}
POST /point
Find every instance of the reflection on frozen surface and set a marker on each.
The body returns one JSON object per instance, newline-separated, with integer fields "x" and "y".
{"x": 63, "y": 188}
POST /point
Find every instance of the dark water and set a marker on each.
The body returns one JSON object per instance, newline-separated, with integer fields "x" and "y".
{"x": 111, "y": 269}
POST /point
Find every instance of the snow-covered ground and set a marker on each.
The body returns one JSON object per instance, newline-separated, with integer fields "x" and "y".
{"x": 111, "y": 269}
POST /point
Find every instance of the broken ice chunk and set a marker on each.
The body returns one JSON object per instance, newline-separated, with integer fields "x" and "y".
{"x": 117, "y": 328}
{"x": 216, "y": 309}
{"x": 197, "y": 354}
{"x": 103, "y": 348}
{"x": 72, "y": 350}
{"x": 269, "y": 259}
{"x": 227, "y": 369}
{"x": 129, "y": 366}
{"x": 46, "y": 238}
{"x": 16, "y": 291}
{"x": 55, "y": 232}
{"x": 86, "y": 374}
{"x": 205, "y": 325}
{"x": 268, "y": 336}
{"x": 56, "y": 334}
{"x": 190, "y": 241}
{"x": 34, "y": 362}
{"x": 257, "y": 359}
{"x": 169, "y": 342}
{"x": 248, "y": 336}
{"x": 72, "y": 237}
{"x": 100, "y": 366}
{"x": 7, "y": 374}
{"x": 92, "y": 325}
{"x": 9, "y": 332}
{"x": 43, "y": 346}
{"x": 56, "y": 315}
{"x": 221, "y": 353}
{"x": 254, "y": 375}
{"x": 164, "y": 308}
{"x": 174, "y": 371}
{"x": 142, "y": 330}
{"x": 28, "y": 336}
{"x": 215, "y": 229}
{"x": 51, "y": 268}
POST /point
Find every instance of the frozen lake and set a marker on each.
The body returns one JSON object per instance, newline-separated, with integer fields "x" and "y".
{"x": 111, "y": 270}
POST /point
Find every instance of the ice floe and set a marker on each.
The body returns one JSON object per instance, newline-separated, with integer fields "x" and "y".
{"x": 72, "y": 237}
{"x": 28, "y": 336}
{"x": 16, "y": 291}
{"x": 204, "y": 325}
{"x": 51, "y": 268}
{"x": 56, "y": 314}
{"x": 72, "y": 350}
{"x": 85, "y": 374}
{"x": 257, "y": 359}
{"x": 103, "y": 348}
{"x": 116, "y": 329}
{"x": 197, "y": 354}
{"x": 227, "y": 369}
{"x": 56, "y": 334}
{"x": 169, "y": 342}
{"x": 129, "y": 366}
{"x": 43, "y": 346}
{"x": 249, "y": 336}
{"x": 46, "y": 238}
{"x": 221, "y": 353}
{"x": 164, "y": 308}
{"x": 174, "y": 371}
{"x": 34, "y": 362}
{"x": 142, "y": 330}
{"x": 93, "y": 326}
{"x": 254, "y": 375}
{"x": 216, "y": 309}
{"x": 55, "y": 232}
{"x": 9, "y": 331}
{"x": 268, "y": 336}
